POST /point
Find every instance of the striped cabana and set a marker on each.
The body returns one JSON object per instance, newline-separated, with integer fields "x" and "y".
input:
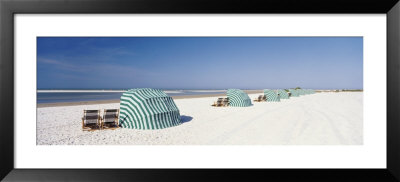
{"x": 300, "y": 91}
{"x": 238, "y": 98}
{"x": 282, "y": 94}
{"x": 148, "y": 109}
{"x": 294, "y": 93}
{"x": 271, "y": 96}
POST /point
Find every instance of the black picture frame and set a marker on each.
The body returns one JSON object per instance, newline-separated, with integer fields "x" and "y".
{"x": 8, "y": 8}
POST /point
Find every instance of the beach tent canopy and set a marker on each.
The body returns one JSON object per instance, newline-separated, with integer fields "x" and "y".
{"x": 303, "y": 92}
{"x": 271, "y": 95}
{"x": 148, "y": 109}
{"x": 308, "y": 91}
{"x": 300, "y": 91}
{"x": 282, "y": 94}
{"x": 294, "y": 93}
{"x": 238, "y": 98}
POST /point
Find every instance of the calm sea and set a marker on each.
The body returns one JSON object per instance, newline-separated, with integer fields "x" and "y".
{"x": 54, "y": 97}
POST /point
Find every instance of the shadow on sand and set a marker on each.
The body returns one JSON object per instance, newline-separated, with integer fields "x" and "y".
{"x": 185, "y": 119}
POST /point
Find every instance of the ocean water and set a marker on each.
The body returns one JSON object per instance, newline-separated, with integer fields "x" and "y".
{"x": 76, "y": 96}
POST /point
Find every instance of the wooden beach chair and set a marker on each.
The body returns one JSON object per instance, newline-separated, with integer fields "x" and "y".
{"x": 110, "y": 119}
{"x": 91, "y": 120}
{"x": 225, "y": 102}
{"x": 218, "y": 103}
{"x": 259, "y": 98}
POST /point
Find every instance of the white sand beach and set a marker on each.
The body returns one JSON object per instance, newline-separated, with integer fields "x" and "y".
{"x": 317, "y": 119}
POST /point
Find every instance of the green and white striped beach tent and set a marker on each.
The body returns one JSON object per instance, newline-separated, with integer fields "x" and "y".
{"x": 300, "y": 91}
{"x": 282, "y": 94}
{"x": 148, "y": 109}
{"x": 294, "y": 93}
{"x": 271, "y": 95}
{"x": 238, "y": 98}
{"x": 303, "y": 91}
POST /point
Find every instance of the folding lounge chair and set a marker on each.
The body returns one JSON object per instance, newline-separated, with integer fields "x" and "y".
{"x": 225, "y": 102}
{"x": 91, "y": 120}
{"x": 218, "y": 103}
{"x": 259, "y": 99}
{"x": 110, "y": 119}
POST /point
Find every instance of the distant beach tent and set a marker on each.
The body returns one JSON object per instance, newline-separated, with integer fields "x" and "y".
{"x": 282, "y": 94}
{"x": 303, "y": 92}
{"x": 238, "y": 98}
{"x": 148, "y": 109}
{"x": 300, "y": 91}
{"x": 294, "y": 93}
{"x": 271, "y": 96}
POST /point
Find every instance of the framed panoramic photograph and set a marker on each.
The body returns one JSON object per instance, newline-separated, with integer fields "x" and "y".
{"x": 145, "y": 91}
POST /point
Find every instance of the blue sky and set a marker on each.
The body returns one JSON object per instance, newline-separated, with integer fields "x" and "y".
{"x": 199, "y": 62}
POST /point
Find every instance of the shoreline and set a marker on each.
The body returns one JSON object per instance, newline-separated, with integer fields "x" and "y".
{"x": 59, "y": 104}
